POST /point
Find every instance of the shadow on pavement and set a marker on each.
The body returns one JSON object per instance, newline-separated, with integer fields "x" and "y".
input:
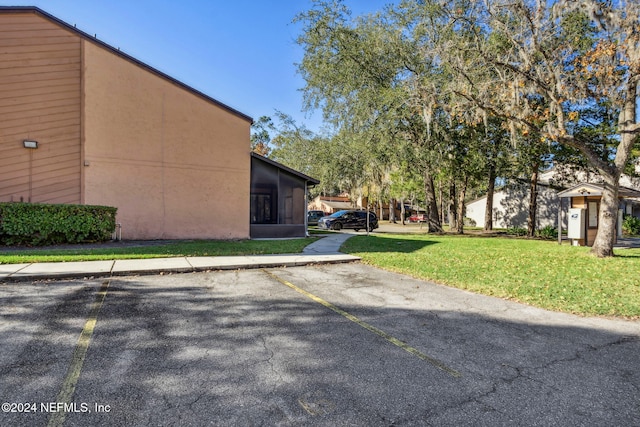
{"x": 207, "y": 349}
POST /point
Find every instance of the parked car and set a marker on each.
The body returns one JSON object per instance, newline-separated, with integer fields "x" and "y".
{"x": 314, "y": 216}
{"x": 418, "y": 218}
{"x": 354, "y": 219}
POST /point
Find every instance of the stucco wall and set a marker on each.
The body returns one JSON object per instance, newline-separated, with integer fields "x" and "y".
{"x": 511, "y": 208}
{"x": 174, "y": 164}
{"x": 39, "y": 100}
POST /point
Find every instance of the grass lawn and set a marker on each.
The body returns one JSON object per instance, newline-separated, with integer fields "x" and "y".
{"x": 173, "y": 249}
{"x": 540, "y": 273}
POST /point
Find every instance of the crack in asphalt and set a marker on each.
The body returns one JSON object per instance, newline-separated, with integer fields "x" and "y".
{"x": 524, "y": 372}
{"x": 269, "y": 359}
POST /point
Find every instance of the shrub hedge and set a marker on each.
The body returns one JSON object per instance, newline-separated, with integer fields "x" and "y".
{"x": 35, "y": 224}
{"x": 631, "y": 225}
{"x": 548, "y": 232}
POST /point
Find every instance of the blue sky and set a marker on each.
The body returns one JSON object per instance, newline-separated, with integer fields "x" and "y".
{"x": 241, "y": 52}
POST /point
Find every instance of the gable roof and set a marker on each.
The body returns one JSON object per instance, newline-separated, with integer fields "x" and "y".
{"x": 338, "y": 205}
{"x": 285, "y": 168}
{"x": 589, "y": 189}
{"x": 37, "y": 11}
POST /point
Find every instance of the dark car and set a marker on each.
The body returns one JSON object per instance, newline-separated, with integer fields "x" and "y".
{"x": 353, "y": 219}
{"x": 314, "y": 216}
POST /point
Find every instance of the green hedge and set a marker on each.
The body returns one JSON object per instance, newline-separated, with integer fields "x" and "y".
{"x": 631, "y": 225}
{"x": 35, "y": 224}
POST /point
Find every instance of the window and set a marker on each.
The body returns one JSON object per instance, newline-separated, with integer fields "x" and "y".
{"x": 593, "y": 214}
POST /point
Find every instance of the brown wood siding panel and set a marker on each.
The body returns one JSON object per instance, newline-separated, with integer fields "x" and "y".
{"x": 29, "y": 62}
{"x": 41, "y": 123}
{"x": 43, "y": 183}
{"x": 45, "y": 70}
{"x": 38, "y": 109}
{"x": 8, "y": 92}
{"x": 26, "y": 22}
{"x": 68, "y": 127}
{"x": 43, "y": 30}
{"x": 44, "y": 38}
{"x": 26, "y": 79}
{"x": 12, "y": 166}
{"x": 16, "y": 180}
{"x": 39, "y": 58}
{"x": 58, "y": 197}
{"x": 41, "y": 106}
{"x": 57, "y": 167}
{"x": 40, "y": 99}
{"x": 52, "y": 162}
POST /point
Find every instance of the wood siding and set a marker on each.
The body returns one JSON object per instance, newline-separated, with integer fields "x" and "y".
{"x": 583, "y": 203}
{"x": 40, "y": 99}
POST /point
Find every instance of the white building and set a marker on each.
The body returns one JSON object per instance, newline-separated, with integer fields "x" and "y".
{"x": 511, "y": 202}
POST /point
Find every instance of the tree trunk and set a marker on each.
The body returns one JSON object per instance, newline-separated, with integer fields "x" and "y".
{"x": 533, "y": 202}
{"x": 461, "y": 206}
{"x": 488, "y": 215}
{"x": 605, "y": 238}
{"x": 433, "y": 217}
{"x": 442, "y": 209}
{"x": 402, "y": 211}
{"x": 392, "y": 210}
{"x": 451, "y": 206}
{"x": 628, "y": 128}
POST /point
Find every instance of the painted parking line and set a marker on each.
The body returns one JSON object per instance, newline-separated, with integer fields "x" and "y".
{"x": 73, "y": 373}
{"x": 395, "y": 341}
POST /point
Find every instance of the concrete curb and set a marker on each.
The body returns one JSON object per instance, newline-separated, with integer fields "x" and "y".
{"x": 323, "y": 251}
{"x": 44, "y": 271}
{"x": 68, "y": 270}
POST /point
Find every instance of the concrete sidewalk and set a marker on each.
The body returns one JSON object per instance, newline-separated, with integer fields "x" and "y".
{"x": 323, "y": 251}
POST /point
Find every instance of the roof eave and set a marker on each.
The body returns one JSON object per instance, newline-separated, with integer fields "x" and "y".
{"x": 589, "y": 189}
{"x": 307, "y": 178}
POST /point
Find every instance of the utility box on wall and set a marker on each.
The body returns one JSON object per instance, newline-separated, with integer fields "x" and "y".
{"x": 576, "y": 224}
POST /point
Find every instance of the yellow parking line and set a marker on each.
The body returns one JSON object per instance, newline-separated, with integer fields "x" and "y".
{"x": 69, "y": 385}
{"x": 369, "y": 327}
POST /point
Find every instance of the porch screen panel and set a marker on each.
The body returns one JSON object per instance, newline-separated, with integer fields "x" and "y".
{"x": 292, "y": 200}
{"x": 264, "y": 193}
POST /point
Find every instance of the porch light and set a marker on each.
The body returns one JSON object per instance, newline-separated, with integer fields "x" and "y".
{"x": 30, "y": 144}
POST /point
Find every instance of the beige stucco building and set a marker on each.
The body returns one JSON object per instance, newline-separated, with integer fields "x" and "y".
{"x": 110, "y": 130}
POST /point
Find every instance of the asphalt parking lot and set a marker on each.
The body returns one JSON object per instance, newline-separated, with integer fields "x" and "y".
{"x": 323, "y": 345}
